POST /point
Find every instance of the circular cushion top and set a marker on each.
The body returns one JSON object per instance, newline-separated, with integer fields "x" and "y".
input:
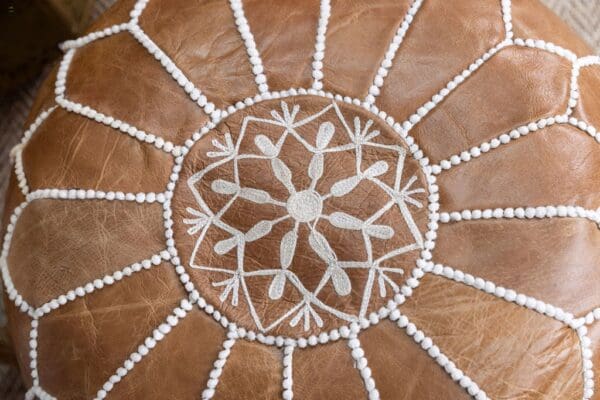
{"x": 310, "y": 200}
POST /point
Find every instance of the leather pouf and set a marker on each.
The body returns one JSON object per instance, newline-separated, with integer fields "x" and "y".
{"x": 313, "y": 200}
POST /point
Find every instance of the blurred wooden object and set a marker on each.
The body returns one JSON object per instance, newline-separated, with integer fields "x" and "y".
{"x": 30, "y": 31}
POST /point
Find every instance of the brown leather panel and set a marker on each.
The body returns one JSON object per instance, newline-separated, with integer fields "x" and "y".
{"x": 358, "y": 35}
{"x": 539, "y": 22}
{"x": 511, "y": 352}
{"x": 514, "y": 254}
{"x": 402, "y": 370}
{"x": 209, "y": 51}
{"x": 118, "y": 13}
{"x": 132, "y": 87}
{"x": 252, "y": 371}
{"x": 19, "y": 328}
{"x": 178, "y": 367}
{"x": 326, "y": 372}
{"x": 589, "y": 101}
{"x": 440, "y": 43}
{"x": 71, "y": 151}
{"x": 286, "y": 54}
{"x": 61, "y": 244}
{"x": 97, "y": 333}
{"x": 556, "y": 165}
{"x": 14, "y": 197}
{"x": 534, "y": 84}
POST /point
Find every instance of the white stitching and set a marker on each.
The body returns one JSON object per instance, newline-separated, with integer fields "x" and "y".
{"x": 218, "y": 366}
{"x": 317, "y": 72}
{"x": 395, "y": 44}
{"x": 362, "y": 365}
{"x": 253, "y": 54}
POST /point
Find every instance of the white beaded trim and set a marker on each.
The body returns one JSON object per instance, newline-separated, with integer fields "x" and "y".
{"x": 37, "y": 391}
{"x": 587, "y": 363}
{"x": 193, "y": 92}
{"x": 505, "y": 138}
{"x": 17, "y": 151}
{"x": 509, "y": 295}
{"x": 405, "y": 291}
{"x": 546, "y": 46}
{"x": 218, "y": 366}
{"x": 560, "y": 211}
{"x": 288, "y": 382}
{"x": 592, "y": 316}
{"x": 362, "y": 365}
{"x": 317, "y": 65}
{"x": 253, "y": 54}
{"x": 100, "y": 283}
{"x": 33, "y": 345}
{"x": 90, "y": 37}
{"x": 143, "y": 349}
{"x": 90, "y": 194}
{"x": 574, "y": 90}
{"x": 395, "y": 44}
{"x": 507, "y": 18}
{"x": 434, "y": 352}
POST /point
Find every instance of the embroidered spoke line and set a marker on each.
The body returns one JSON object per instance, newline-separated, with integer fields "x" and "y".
{"x": 157, "y": 335}
{"x": 433, "y": 351}
{"x": 231, "y": 151}
{"x": 386, "y": 63}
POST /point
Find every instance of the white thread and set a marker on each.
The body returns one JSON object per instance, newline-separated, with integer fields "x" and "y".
{"x": 33, "y": 355}
{"x": 253, "y": 54}
{"x": 574, "y": 89}
{"x": 434, "y": 352}
{"x": 505, "y": 138}
{"x": 89, "y": 194}
{"x": 507, "y": 18}
{"x": 540, "y": 212}
{"x": 192, "y": 91}
{"x": 546, "y": 46}
{"x": 361, "y": 364}
{"x": 218, "y": 366}
{"x": 138, "y": 9}
{"x": 288, "y": 382}
{"x": 100, "y": 283}
{"x": 90, "y": 37}
{"x": 144, "y": 349}
{"x": 592, "y": 316}
{"x": 317, "y": 65}
{"x": 587, "y": 363}
{"x": 390, "y": 54}
{"x": 509, "y": 295}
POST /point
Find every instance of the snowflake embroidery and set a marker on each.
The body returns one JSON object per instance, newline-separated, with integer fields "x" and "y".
{"x": 304, "y": 206}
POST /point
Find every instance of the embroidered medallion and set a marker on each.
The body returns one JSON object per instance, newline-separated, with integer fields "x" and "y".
{"x": 301, "y": 215}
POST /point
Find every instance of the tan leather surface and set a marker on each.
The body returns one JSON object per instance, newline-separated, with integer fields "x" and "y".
{"x": 510, "y": 351}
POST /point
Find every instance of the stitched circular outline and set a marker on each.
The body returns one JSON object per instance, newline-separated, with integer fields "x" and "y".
{"x": 343, "y": 331}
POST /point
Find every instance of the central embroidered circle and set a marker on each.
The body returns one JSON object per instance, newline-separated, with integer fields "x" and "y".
{"x": 305, "y": 206}
{"x": 296, "y": 217}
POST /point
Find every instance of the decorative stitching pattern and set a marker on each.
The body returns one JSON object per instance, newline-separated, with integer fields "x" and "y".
{"x": 317, "y": 72}
{"x": 424, "y": 264}
{"x": 304, "y": 207}
{"x": 219, "y": 364}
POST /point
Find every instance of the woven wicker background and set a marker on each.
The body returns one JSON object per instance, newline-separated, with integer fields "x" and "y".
{"x": 582, "y": 15}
